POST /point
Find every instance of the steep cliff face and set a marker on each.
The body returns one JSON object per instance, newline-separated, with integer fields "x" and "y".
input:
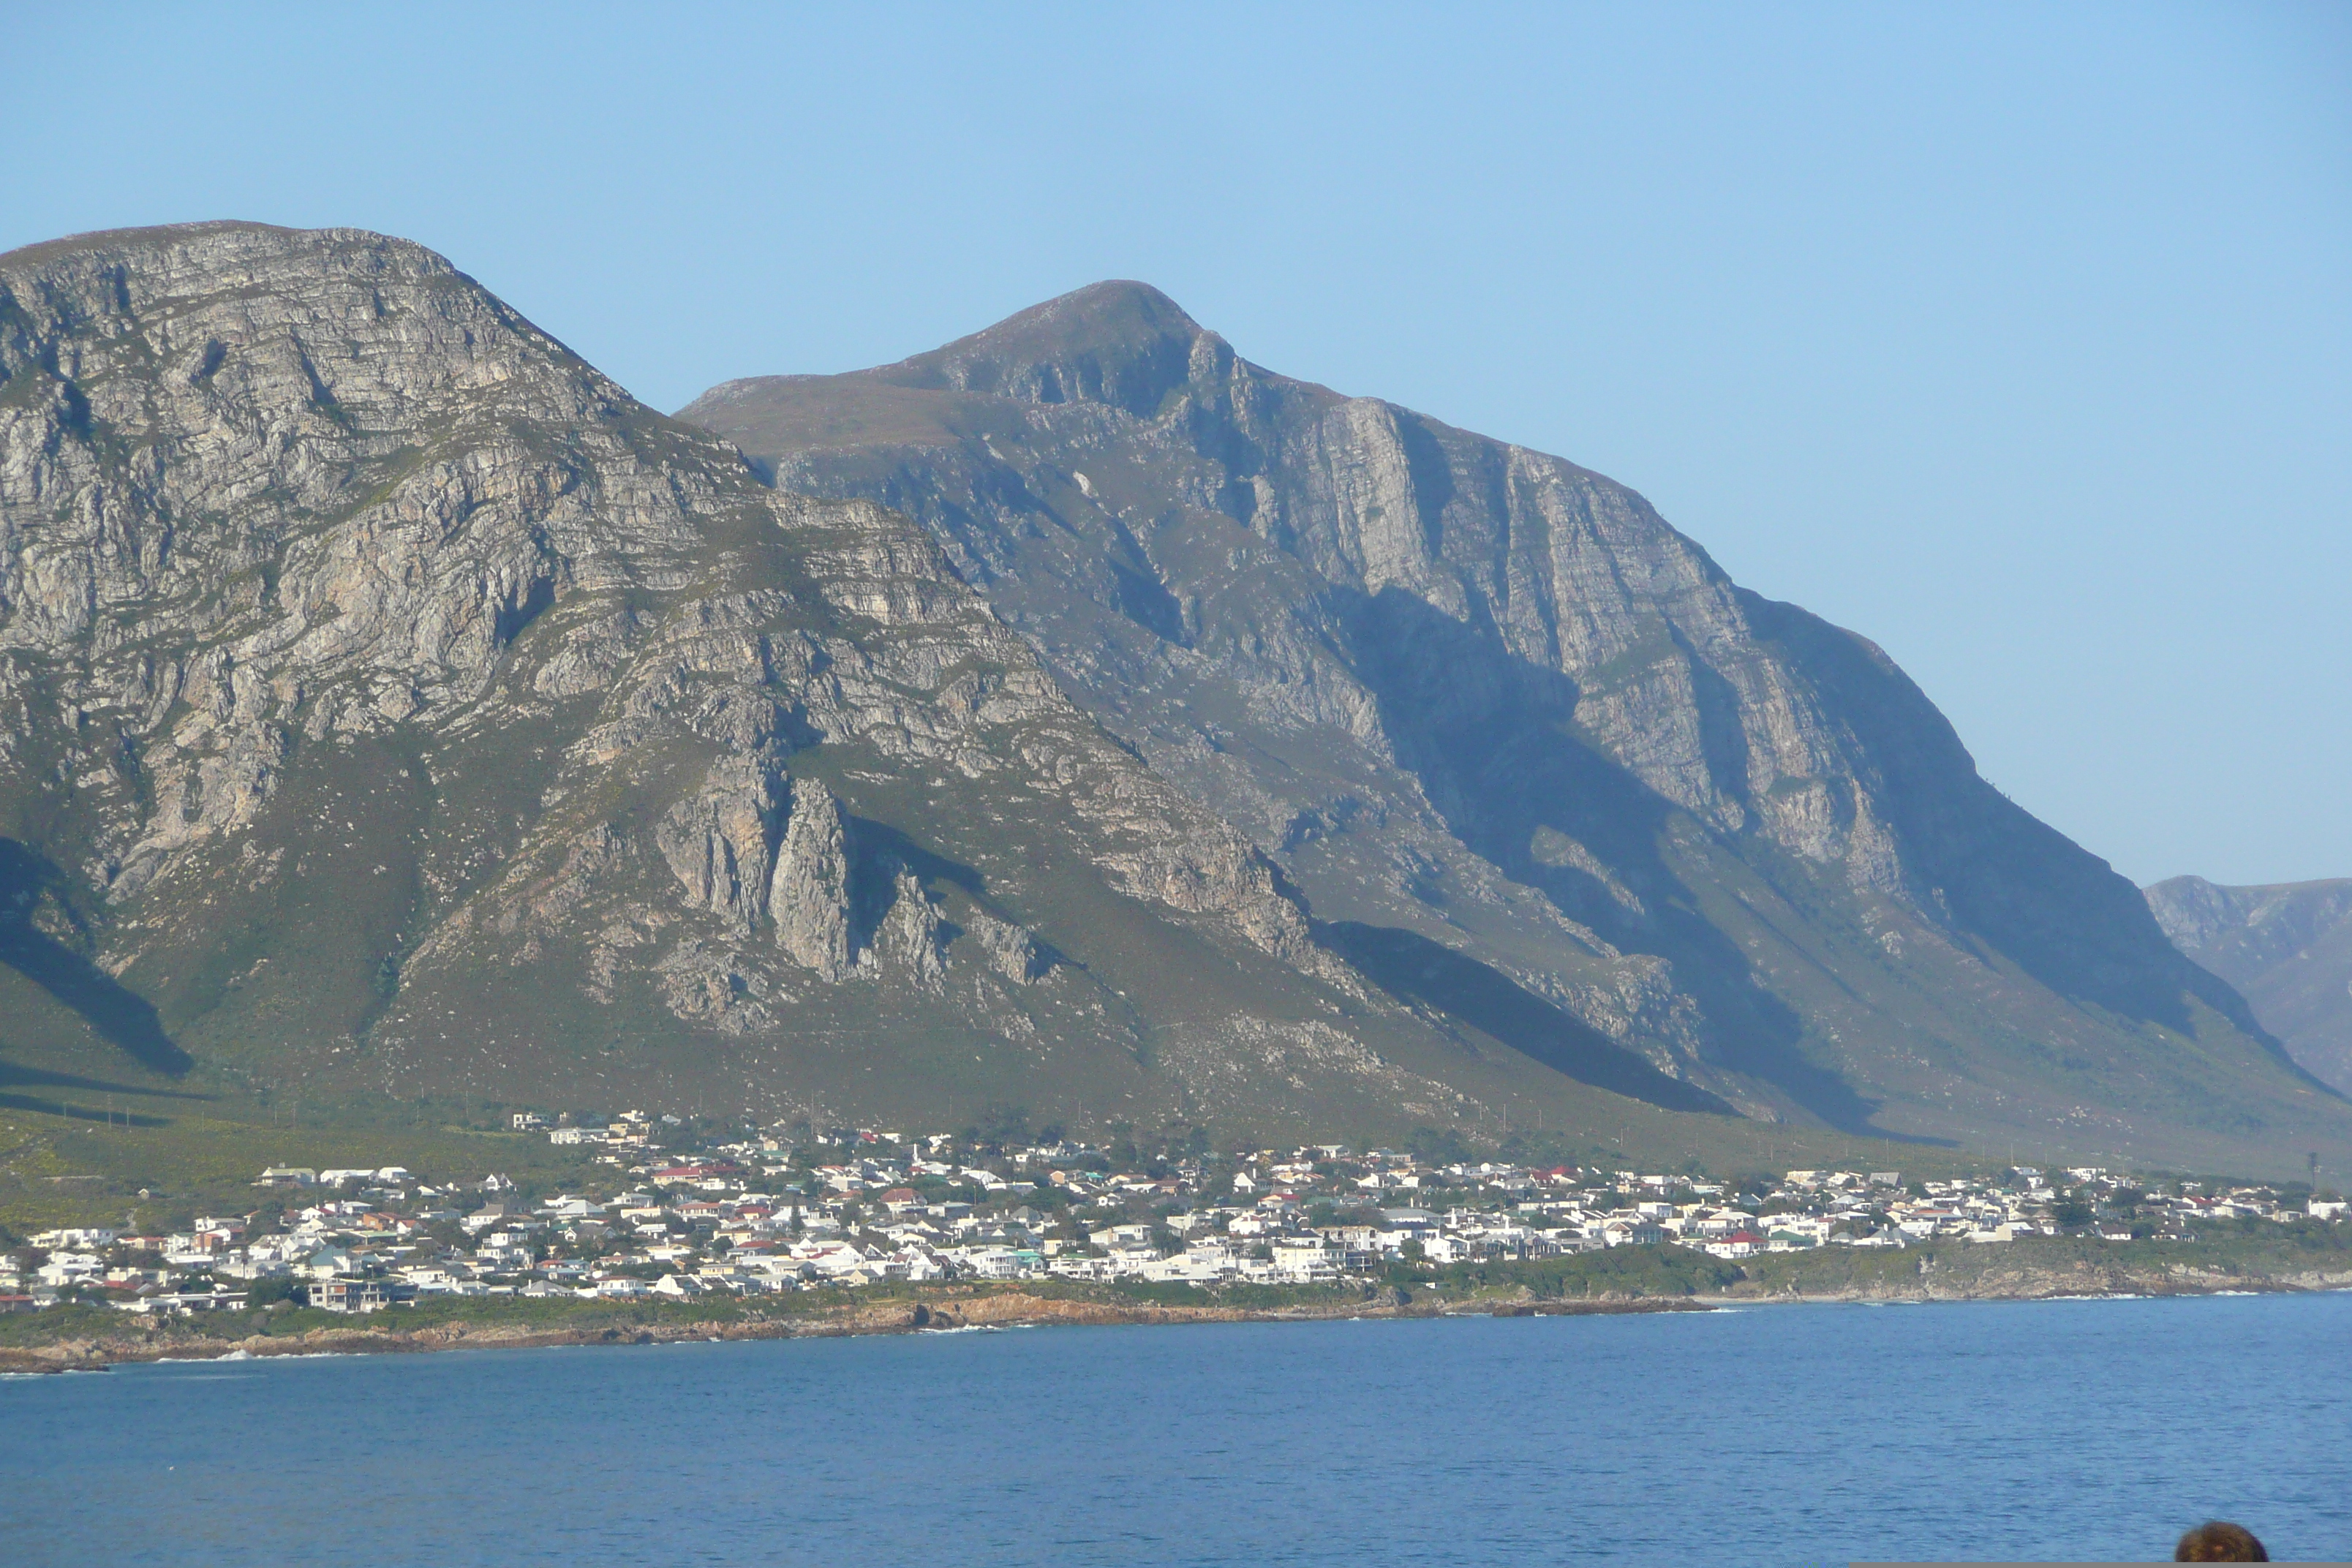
{"x": 390, "y": 702}
{"x": 1484, "y": 705}
{"x": 2288, "y": 948}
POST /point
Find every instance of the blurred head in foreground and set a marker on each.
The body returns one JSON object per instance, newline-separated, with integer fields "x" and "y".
{"x": 2219, "y": 1540}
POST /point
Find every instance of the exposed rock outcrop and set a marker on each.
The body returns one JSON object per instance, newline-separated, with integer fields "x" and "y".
{"x": 381, "y": 683}
{"x": 1012, "y": 950}
{"x": 721, "y": 840}
{"x": 913, "y": 936}
{"x": 811, "y": 896}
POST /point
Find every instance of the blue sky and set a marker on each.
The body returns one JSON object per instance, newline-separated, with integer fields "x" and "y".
{"x": 2019, "y": 339}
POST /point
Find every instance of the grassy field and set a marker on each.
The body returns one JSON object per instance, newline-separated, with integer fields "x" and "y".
{"x": 157, "y": 1176}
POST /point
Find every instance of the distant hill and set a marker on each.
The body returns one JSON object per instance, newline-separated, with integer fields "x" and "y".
{"x": 2288, "y": 948}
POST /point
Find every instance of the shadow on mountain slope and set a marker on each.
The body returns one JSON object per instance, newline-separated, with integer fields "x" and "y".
{"x": 14, "y": 1075}
{"x": 1494, "y": 739}
{"x": 2019, "y": 886}
{"x": 112, "y": 1116}
{"x": 1414, "y": 969}
{"x": 118, "y": 1014}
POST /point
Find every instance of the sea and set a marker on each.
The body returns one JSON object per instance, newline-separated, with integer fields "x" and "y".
{"x": 2066, "y": 1429}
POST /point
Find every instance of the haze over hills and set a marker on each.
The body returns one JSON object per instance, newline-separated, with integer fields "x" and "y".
{"x": 393, "y": 705}
{"x": 2286, "y": 948}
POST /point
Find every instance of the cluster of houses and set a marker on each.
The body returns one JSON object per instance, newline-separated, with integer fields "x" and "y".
{"x": 765, "y": 1213}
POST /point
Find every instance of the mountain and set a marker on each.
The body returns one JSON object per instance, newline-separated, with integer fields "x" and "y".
{"x": 1077, "y": 724}
{"x": 394, "y": 707}
{"x": 1513, "y": 735}
{"x": 2288, "y": 948}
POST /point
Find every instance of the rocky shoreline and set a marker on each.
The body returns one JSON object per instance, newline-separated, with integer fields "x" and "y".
{"x": 950, "y": 1308}
{"x": 989, "y": 1310}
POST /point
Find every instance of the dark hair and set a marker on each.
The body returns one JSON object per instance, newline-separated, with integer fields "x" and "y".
{"x": 2219, "y": 1540}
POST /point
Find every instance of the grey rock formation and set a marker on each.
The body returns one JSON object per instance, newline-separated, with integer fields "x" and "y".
{"x": 721, "y": 841}
{"x": 811, "y": 896}
{"x": 1476, "y": 700}
{"x": 389, "y": 703}
{"x": 2287, "y": 947}
{"x": 1012, "y": 950}
{"x": 392, "y": 703}
{"x": 913, "y": 936}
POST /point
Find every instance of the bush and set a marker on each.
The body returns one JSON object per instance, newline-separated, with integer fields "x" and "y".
{"x": 268, "y": 1292}
{"x": 1616, "y": 1270}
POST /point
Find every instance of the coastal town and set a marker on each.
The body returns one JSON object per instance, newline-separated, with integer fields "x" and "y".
{"x": 670, "y": 1216}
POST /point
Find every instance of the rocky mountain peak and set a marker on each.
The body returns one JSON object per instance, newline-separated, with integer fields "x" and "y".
{"x": 388, "y": 700}
{"x": 1121, "y": 343}
{"x": 168, "y": 256}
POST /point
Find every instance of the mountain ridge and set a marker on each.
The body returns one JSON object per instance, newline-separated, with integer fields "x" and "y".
{"x": 395, "y": 707}
{"x": 1105, "y": 500}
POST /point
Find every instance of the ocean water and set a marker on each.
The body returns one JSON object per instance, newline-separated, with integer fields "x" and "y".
{"x": 2063, "y": 1429}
